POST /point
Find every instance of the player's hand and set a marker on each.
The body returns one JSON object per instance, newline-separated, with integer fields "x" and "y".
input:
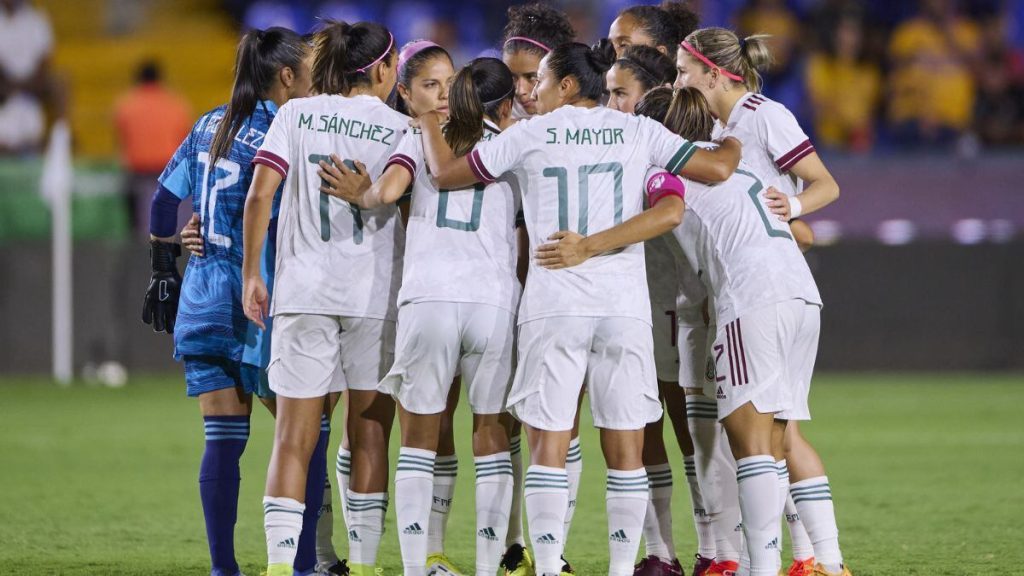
{"x": 568, "y": 249}
{"x": 160, "y": 308}
{"x": 341, "y": 181}
{"x": 778, "y": 203}
{"x": 255, "y": 300}
{"x": 191, "y": 238}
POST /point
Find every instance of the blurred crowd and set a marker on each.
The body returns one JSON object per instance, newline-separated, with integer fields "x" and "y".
{"x": 862, "y": 75}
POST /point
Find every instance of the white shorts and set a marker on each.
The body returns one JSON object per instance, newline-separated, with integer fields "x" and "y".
{"x": 614, "y": 356}
{"x": 801, "y": 364}
{"x": 312, "y": 355}
{"x": 752, "y": 357}
{"x": 692, "y": 356}
{"x": 437, "y": 340}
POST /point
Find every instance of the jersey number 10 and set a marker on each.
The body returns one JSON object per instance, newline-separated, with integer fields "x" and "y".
{"x": 583, "y": 183}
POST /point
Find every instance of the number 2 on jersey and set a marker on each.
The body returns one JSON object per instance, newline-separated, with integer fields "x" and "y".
{"x": 583, "y": 185}
{"x": 325, "y": 205}
{"x": 208, "y": 196}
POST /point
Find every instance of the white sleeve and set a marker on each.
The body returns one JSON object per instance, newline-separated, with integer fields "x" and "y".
{"x": 667, "y": 149}
{"x": 492, "y": 158}
{"x": 274, "y": 152}
{"x": 409, "y": 153}
{"x": 786, "y": 142}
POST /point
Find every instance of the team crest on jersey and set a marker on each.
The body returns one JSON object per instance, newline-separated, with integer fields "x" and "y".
{"x": 710, "y": 371}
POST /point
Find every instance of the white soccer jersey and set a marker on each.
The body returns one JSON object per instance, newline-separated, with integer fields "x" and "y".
{"x": 673, "y": 282}
{"x": 332, "y": 257}
{"x": 582, "y": 169}
{"x": 772, "y": 140}
{"x": 747, "y": 257}
{"x": 460, "y": 244}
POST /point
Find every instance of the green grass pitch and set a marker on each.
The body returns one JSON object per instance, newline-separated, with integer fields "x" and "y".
{"x": 926, "y": 472}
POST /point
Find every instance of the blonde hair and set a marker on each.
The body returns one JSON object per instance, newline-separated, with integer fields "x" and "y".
{"x": 745, "y": 58}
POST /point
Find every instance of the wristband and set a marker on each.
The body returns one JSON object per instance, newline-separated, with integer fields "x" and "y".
{"x": 163, "y": 255}
{"x": 795, "y": 207}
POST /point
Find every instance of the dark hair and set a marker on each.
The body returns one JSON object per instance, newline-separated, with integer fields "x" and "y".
{"x": 149, "y": 71}
{"x": 411, "y": 68}
{"x": 479, "y": 89}
{"x": 587, "y": 65}
{"x": 538, "y": 22}
{"x": 346, "y": 53}
{"x": 684, "y": 111}
{"x": 261, "y": 55}
{"x": 668, "y": 24}
{"x": 649, "y": 66}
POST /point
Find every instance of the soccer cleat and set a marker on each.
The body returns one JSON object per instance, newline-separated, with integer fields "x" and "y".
{"x": 800, "y": 568}
{"x": 819, "y": 570}
{"x": 278, "y": 570}
{"x": 566, "y": 567}
{"x": 701, "y": 565}
{"x": 517, "y": 561}
{"x": 339, "y": 568}
{"x": 727, "y": 568}
{"x": 654, "y": 566}
{"x": 365, "y": 570}
{"x": 440, "y": 565}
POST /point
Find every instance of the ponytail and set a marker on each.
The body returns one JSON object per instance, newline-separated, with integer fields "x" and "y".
{"x": 347, "y": 53}
{"x": 478, "y": 90}
{"x": 259, "y": 59}
{"x": 742, "y": 59}
{"x": 684, "y": 111}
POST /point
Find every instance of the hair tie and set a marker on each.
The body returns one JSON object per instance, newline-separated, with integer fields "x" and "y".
{"x": 500, "y": 98}
{"x": 689, "y": 48}
{"x": 638, "y": 66}
{"x": 412, "y": 49}
{"x": 540, "y": 45}
{"x": 391, "y": 43}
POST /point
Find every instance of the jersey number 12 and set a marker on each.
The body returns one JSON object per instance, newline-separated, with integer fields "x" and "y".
{"x": 208, "y": 195}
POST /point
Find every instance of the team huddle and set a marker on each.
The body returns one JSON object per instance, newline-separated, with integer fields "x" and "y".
{"x": 618, "y": 223}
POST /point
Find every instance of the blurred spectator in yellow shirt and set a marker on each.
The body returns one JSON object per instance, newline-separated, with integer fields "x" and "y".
{"x": 844, "y": 88}
{"x": 933, "y": 90}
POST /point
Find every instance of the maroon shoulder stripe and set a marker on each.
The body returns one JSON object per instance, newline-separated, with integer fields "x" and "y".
{"x": 748, "y": 106}
{"x": 743, "y": 351}
{"x": 403, "y": 161}
{"x": 757, "y": 98}
{"x": 272, "y": 161}
{"x": 787, "y": 160}
{"x": 478, "y": 168}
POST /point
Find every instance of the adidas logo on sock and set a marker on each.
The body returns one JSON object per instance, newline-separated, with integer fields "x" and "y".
{"x": 547, "y": 539}
{"x": 413, "y": 529}
{"x": 619, "y": 536}
{"x": 286, "y": 543}
{"x": 354, "y": 536}
{"x": 773, "y": 545}
{"x": 487, "y": 534}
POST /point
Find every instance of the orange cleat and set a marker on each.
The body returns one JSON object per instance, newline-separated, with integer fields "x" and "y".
{"x": 727, "y": 568}
{"x": 801, "y": 567}
{"x": 819, "y": 570}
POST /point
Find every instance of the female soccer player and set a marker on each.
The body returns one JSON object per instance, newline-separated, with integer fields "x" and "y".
{"x": 570, "y": 330}
{"x": 725, "y": 70}
{"x": 213, "y": 167}
{"x": 532, "y": 31}
{"x": 638, "y": 70}
{"x": 662, "y": 27}
{"x": 338, "y": 270}
{"x": 448, "y": 318}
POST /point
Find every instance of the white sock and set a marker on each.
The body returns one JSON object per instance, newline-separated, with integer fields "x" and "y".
{"x": 574, "y": 469}
{"x": 493, "y": 500}
{"x": 658, "y": 520}
{"x": 365, "y": 526}
{"x": 802, "y": 547}
{"x": 446, "y": 469}
{"x": 716, "y": 475}
{"x": 414, "y": 477}
{"x": 343, "y": 472}
{"x": 758, "y": 481}
{"x": 701, "y": 519}
{"x": 783, "y": 491}
{"x": 282, "y": 522}
{"x": 813, "y": 499}
{"x": 515, "y": 517}
{"x": 546, "y": 491}
{"x": 325, "y": 554}
{"x": 626, "y": 498}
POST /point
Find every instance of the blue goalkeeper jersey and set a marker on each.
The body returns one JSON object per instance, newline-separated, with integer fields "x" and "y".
{"x": 210, "y": 319}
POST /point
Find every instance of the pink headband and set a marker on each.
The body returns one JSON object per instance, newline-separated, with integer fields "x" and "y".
{"x": 529, "y": 41}
{"x": 689, "y": 48}
{"x": 391, "y": 42}
{"x": 412, "y": 49}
